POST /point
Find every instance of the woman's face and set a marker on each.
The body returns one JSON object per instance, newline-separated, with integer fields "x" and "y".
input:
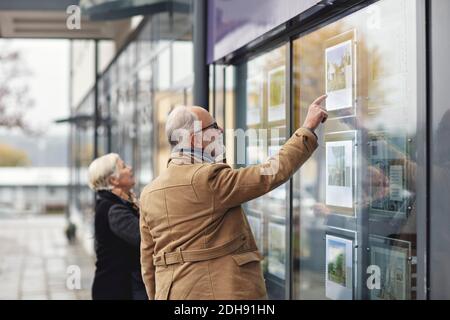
{"x": 125, "y": 179}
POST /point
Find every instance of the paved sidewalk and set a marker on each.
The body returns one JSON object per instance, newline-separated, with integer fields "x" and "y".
{"x": 34, "y": 257}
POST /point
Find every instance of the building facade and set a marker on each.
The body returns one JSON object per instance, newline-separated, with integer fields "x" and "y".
{"x": 366, "y": 217}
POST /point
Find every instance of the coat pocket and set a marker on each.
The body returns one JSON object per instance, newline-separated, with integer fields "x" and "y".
{"x": 247, "y": 257}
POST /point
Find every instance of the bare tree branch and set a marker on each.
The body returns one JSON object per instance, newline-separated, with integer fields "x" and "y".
{"x": 15, "y": 99}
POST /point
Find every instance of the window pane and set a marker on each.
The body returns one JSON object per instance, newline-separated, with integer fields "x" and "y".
{"x": 354, "y": 201}
{"x": 145, "y": 124}
{"x": 265, "y": 98}
{"x": 165, "y": 101}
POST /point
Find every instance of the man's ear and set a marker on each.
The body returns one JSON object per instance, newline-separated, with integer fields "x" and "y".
{"x": 193, "y": 140}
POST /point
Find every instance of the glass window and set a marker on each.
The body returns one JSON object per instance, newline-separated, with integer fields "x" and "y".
{"x": 189, "y": 97}
{"x": 230, "y": 114}
{"x": 219, "y": 98}
{"x": 106, "y": 52}
{"x": 264, "y": 80}
{"x": 163, "y": 69}
{"x": 182, "y": 60}
{"x": 211, "y": 88}
{"x": 145, "y": 123}
{"x": 354, "y": 202}
{"x": 144, "y": 43}
{"x": 164, "y": 103}
{"x": 126, "y": 120}
{"x": 102, "y": 130}
{"x": 83, "y": 156}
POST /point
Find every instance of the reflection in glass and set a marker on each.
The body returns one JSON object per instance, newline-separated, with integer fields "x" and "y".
{"x": 367, "y": 64}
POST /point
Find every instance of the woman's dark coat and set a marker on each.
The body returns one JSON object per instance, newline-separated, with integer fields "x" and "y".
{"x": 117, "y": 246}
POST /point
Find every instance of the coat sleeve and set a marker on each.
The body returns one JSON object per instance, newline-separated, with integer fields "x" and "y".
{"x": 232, "y": 187}
{"x": 124, "y": 224}
{"x": 147, "y": 249}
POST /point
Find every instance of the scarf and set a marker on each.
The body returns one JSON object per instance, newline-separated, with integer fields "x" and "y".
{"x": 129, "y": 197}
{"x": 192, "y": 156}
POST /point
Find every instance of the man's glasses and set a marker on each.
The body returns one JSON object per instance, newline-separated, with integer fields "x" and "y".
{"x": 212, "y": 126}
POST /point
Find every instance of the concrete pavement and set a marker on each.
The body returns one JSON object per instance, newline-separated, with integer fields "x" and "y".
{"x": 35, "y": 258}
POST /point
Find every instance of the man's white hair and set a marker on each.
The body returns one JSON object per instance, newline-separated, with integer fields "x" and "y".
{"x": 179, "y": 125}
{"x": 101, "y": 169}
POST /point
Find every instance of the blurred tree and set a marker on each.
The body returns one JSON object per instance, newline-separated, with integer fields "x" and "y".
{"x": 12, "y": 157}
{"x": 14, "y": 90}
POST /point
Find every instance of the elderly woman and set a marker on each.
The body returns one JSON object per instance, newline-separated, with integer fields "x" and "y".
{"x": 117, "y": 237}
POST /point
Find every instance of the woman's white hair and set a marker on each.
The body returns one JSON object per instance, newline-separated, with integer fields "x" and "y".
{"x": 101, "y": 169}
{"x": 179, "y": 125}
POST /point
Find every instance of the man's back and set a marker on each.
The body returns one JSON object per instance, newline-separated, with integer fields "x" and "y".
{"x": 196, "y": 241}
{"x": 183, "y": 215}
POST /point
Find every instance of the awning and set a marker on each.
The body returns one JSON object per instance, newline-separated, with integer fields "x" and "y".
{"x": 119, "y": 9}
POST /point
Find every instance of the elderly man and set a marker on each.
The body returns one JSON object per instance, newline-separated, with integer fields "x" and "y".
{"x": 196, "y": 242}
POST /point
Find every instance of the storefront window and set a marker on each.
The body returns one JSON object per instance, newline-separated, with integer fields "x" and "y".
{"x": 230, "y": 114}
{"x": 354, "y": 201}
{"x": 102, "y": 130}
{"x": 126, "y": 96}
{"x": 219, "y": 98}
{"x": 183, "y": 59}
{"x": 83, "y": 156}
{"x": 145, "y": 125}
{"x": 164, "y": 102}
{"x": 264, "y": 79}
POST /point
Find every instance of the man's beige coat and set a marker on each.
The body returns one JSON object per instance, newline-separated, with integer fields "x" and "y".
{"x": 193, "y": 207}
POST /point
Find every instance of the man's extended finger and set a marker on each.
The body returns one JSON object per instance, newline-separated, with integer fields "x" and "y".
{"x": 321, "y": 99}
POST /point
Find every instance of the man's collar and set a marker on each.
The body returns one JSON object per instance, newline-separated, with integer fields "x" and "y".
{"x": 189, "y": 156}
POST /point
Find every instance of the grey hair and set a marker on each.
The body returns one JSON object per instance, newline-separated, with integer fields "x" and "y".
{"x": 179, "y": 122}
{"x": 101, "y": 169}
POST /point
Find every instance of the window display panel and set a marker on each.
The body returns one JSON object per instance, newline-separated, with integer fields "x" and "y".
{"x": 266, "y": 128}
{"x": 339, "y": 268}
{"x": 276, "y": 94}
{"x": 339, "y": 172}
{"x": 340, "y": 70}
{"x": 361, "y": 180}
{"x": 394, "y": 262}
{"x": 387, "y": 174}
